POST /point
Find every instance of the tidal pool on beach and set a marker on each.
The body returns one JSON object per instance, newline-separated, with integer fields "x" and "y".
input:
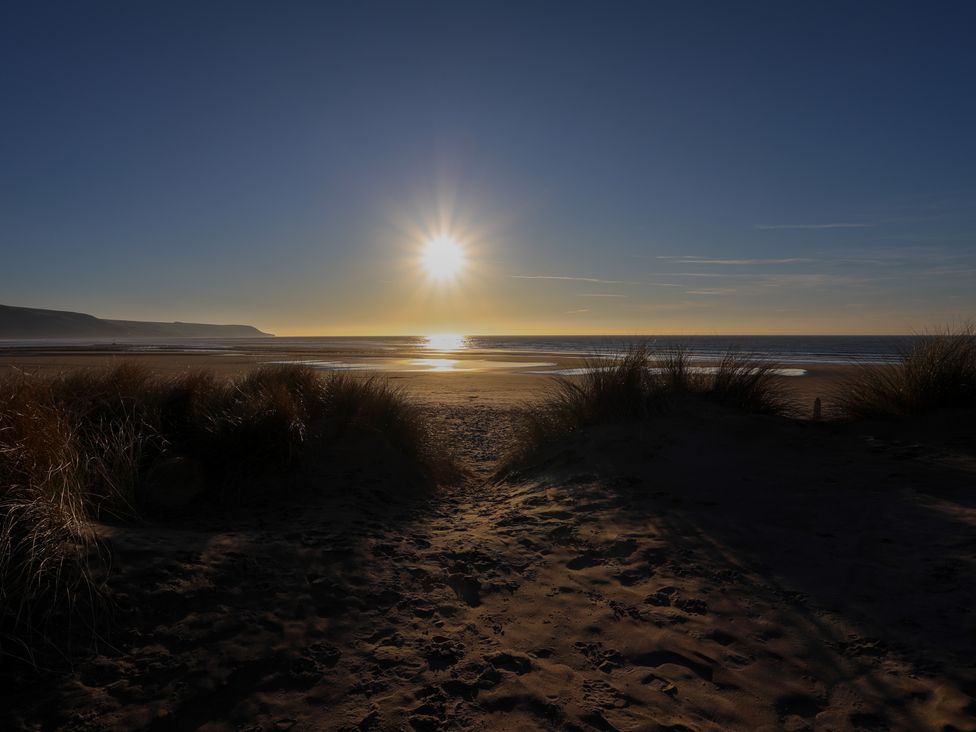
{"x": 474, "y": 365}
{"x": 693, "y": 369}
{"x": 423, "y": 365}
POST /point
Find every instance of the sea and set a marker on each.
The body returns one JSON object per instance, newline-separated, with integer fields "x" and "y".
{"x": 780, "y": 349}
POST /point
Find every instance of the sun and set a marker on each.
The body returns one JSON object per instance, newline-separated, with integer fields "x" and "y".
{"x": 442, "y": 258}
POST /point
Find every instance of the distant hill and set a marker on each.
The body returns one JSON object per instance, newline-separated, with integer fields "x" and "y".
{"x": 26, "y": 323}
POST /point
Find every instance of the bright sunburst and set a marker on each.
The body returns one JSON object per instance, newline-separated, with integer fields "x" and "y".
{"x": 442, "y": 258}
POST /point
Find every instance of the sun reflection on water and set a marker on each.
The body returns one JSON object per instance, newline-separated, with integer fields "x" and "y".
{"x": 444, "y": 342}
{"x": 438, "y": 364}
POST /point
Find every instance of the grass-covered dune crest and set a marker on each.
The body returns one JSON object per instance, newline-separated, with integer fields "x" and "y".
{"x": 124, "y": 443}
{"x": 641, "y": 384}
{"x": 937, "y": 371}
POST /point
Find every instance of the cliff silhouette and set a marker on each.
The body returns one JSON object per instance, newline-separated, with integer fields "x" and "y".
{"x": 28, "y": 323}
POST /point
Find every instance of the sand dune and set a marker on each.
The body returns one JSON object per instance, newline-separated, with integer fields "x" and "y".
{"x": 711, "y": 571}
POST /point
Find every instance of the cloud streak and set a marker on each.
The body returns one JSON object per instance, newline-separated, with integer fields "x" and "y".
{"x": 840, "y": 225}
{"x": 705, "y": 260}
{"x": 571, "y": 279}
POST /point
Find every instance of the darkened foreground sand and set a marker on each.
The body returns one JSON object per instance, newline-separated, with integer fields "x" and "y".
{"x": 705, "y": 570}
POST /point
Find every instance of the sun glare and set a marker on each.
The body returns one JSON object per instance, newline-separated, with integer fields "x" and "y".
{"x": 442, "y": 258}
{"x": 444, "y": 342}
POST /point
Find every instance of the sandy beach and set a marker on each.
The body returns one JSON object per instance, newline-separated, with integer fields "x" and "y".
{"x": 432, "y": 376}
{"x": 706, "y": 571}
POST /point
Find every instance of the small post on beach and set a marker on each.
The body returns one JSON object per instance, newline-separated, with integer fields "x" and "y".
{"x": 816, "y": 409}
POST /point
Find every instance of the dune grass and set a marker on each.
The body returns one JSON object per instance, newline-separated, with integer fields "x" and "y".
{"x": 87, "y": 444}
{"x": 936, "y": 371}
{"x": 640, "y": 384}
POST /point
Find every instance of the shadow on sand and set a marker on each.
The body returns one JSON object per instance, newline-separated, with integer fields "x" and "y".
{"x": 839, "y": 557}
{"x": 212, "y": 612}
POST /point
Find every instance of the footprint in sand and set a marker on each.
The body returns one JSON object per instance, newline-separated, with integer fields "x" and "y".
{"x": 869, "y": 722}
{"x": 440, "y": 652}
{"x": 582, "y": 562}
{"x": 514, "y": 662}
{"x": 660, "y": 684}
{"x": 721, "y": 637}
{"x": 692, "y": 606}
{"x": 799, "y": 705}
{"x": 329, "y": 598}
{"x": 604, "y": 660}
{"x": 309, "y": 667}
{"x": 621, "y": 549}
{"x": 604, "y": 696}
{"x": 655, "y": 659}
{"x": 631, "y": 577}
{"x": 662, "y": 597}
{"x": 857, "y": 646}
{"x": 466, "y": 587}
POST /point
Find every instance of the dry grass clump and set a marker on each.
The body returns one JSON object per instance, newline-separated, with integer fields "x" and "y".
{"x": 934, "y": 372}
{"x": 101, "y": 443}
{"x": 746, "y": 384}
{"x": 640, "y": 384}
{"x": 44, "y": 541}
{"x": 110, "y": 427}
{"x": 370, "y": 405}
{"x": 620, "y": 389}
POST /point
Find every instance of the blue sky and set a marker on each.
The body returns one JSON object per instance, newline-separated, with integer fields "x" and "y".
{"x": 647, "y": 167}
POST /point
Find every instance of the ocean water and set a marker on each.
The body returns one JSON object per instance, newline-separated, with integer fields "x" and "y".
{"x": 781, "y": 349}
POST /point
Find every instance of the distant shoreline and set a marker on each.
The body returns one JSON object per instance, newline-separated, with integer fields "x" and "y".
{"x": 26, "y": 324}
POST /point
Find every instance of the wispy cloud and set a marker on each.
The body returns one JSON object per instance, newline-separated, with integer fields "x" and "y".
{"x": 705, "y": 260}
{"x": 950, "y": 271}
{"x": 680, "y": 305}
{"x": 712, "y": 291}
{"x": 840, "y": 225}
{"x": 577, "y": 312}
{"x": 743, "y": 277}
{"x": 812, "y": 279}
{"x": 572, "y": 279}
{"x": 601, "y": 294}
{"x": 725, "y": 275}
